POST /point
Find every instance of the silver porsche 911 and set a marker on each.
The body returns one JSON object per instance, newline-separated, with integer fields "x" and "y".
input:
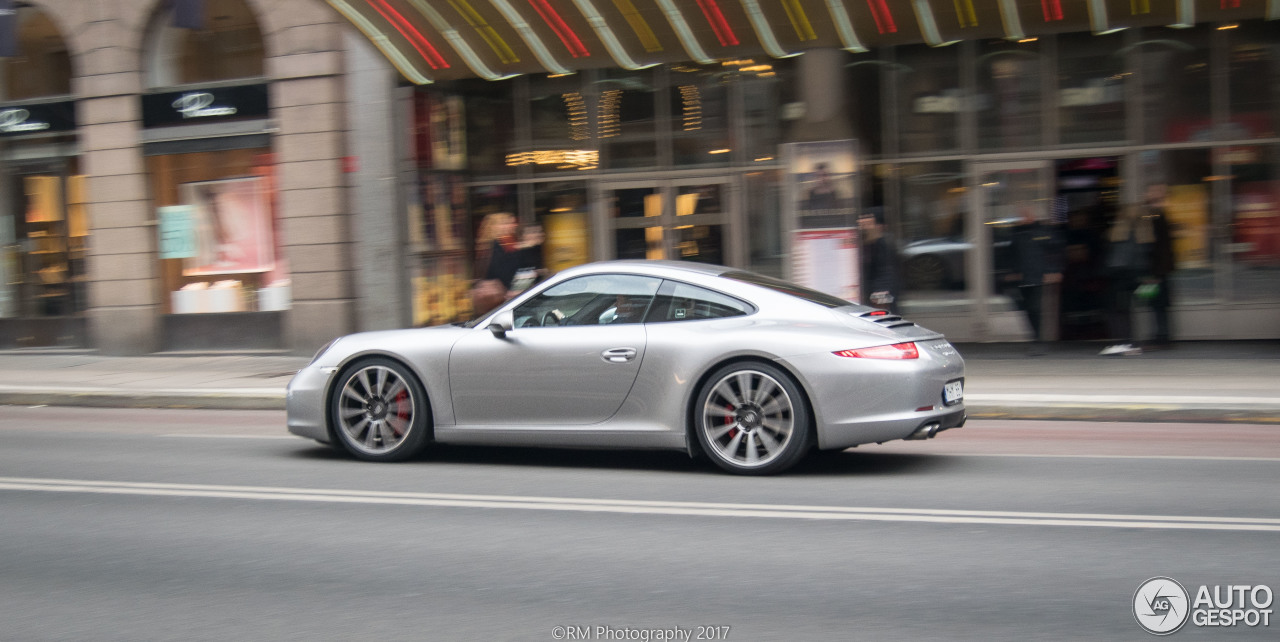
{"x": 750, "y": 371}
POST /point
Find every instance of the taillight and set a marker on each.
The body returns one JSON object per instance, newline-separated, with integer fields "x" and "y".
{"x": 896, "y": 351}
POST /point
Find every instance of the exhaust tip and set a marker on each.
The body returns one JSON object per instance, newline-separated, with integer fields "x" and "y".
{"x": 926, "y": 431}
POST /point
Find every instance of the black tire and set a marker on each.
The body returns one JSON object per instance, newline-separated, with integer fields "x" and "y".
{"x": 752, "y": 419}
{"x": 379, "y": 411}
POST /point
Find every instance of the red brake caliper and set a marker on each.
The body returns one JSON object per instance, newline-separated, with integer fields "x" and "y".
{"x": 728, "y": 419}
{"x": 402, "y": 410}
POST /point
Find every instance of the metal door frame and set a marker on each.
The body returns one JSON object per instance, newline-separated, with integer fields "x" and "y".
{"x": 729, "y": 219}
{"x": 979, "y": 265}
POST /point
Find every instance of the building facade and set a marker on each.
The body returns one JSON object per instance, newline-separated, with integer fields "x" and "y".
{"x": 173, "y": 176}
{"x": 242, "y": 174}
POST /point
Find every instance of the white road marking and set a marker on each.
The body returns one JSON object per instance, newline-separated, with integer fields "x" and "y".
{"x": 216, "y": 436}
{"x": 646, "y": 507}
{"x": 1053, "y": 456}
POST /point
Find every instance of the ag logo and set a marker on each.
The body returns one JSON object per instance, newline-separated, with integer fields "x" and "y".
{"x": 1161, "y": 605}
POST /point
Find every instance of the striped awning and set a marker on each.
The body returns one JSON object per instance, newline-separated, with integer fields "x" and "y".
{"x": 432, "y": 40}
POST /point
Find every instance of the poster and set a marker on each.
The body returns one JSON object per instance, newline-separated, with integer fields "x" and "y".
{"x": 822, "y": 177}
{"x": 827, "y": 260}
{"x": 232, "y": 220}
{"x": 1188, "y": 210}
{"x": 177, "y": 232}
{"x": 567, "y": 243}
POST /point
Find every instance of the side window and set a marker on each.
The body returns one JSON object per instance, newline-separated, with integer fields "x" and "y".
{"x": 688, "y": 302}
{"x": 599, "y": 299}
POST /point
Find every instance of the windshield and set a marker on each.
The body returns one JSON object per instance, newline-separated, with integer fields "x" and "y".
{"x": 778, "y": 285}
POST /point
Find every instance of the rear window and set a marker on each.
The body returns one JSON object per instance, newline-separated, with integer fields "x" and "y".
{"x": 778, "y": 285}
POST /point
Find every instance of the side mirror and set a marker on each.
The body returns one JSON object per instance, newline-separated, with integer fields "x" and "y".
{"x": 502, "y": 323}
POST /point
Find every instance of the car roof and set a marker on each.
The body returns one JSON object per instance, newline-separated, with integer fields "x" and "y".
{"x": 653, "y": 267}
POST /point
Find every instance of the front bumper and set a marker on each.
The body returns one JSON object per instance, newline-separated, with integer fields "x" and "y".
{"x": 304, "y": 404}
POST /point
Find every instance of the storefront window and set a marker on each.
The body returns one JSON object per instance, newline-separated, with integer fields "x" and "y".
{"x": 44, "y": 228}
{"x": 763, "y": 95}
{"x": 934, "y": 245}
{"x": 1009, "y": 92}
{"x": 929, "y": 98}
{"x": 44, "y": 66}
{"x": 626, "y": 117}
{"x": 43, "y": 237}
{"x": 1255, "y": 99}
{"x": 491, "y": 132}
{"x": 1176, "y": 88}
{"x": 227, "y": 45}
{"x": 219, "y": 250}
{"x": 1254, "y": 245}
{"x": 867, "y": 79}
{"x": 699, "y": 103}
{"x": 1091, "y": 81}
{"x": 764, "y": 222}
{"x": 562, "y": 129}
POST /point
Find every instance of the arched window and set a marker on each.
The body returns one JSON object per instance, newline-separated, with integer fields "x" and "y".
{"x": 227, "y": 46}
{"x": 42, "y": 66}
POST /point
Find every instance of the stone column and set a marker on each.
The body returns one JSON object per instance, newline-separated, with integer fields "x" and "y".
{"x": 122, "y": 266}
{"x": 822, "y": 87}
{"x": 307, "y": 105}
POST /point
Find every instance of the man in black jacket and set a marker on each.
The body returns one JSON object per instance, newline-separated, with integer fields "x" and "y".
{"x": 879, "y": 262}
{"x": 1037, "y": 254}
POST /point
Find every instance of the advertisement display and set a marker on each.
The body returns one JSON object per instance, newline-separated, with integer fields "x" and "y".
{"x": 567, "y": 242}
{"x": 1188, "y": 210}
{"x": 821, "y": 206}
{"x": 827, "y": 260}
{"x": 177, "y": 231}
{"x": 232, "y": 220}
{"x": 822, "y": 177}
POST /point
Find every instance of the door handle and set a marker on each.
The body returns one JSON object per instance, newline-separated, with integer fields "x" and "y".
{"x": 619, "y": 355}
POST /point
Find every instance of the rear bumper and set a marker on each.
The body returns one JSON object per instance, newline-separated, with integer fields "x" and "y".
{"x": 905, "y": 426}
{"x": 862, "y": 401}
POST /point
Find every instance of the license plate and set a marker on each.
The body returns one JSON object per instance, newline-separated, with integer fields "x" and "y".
{"x": 953, "y": 392}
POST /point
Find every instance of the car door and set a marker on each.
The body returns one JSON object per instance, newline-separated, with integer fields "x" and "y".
{"x": 570, "y": 359}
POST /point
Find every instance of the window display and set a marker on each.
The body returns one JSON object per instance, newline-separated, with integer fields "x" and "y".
{"x": 217, "y": 233}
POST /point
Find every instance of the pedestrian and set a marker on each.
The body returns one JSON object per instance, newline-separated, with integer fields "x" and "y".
{"x": 1129, "y": 251}
{"x": 1162, "y": 264}
{"x": 879, "y": 262}
{"x": 1037, "y": 256}
{"x": 506, "y": 265}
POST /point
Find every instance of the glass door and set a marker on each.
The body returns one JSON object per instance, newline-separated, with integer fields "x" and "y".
{"x": 1007, "y": 194}
{"x": 684, "y": 219}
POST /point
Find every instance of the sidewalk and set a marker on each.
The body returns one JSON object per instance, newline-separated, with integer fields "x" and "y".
{"x": 1210, "y": 381}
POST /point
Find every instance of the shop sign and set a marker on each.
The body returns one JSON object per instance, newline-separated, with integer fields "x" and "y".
{"x": 42, "y": 117}
{"x": 177, "y": 232}
{"x": 211, "y": 104}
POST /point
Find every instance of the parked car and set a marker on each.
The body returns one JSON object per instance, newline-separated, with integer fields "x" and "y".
{"x": 938, "y": 263}
{"x": 750, "y": 371}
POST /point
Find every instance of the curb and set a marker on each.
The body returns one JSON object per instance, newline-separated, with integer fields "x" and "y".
{"x": 1262, "y": 412}
{"x": 221, "y": 400}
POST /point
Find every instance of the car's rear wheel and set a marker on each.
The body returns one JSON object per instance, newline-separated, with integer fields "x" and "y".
{"x": 752, "y": 419}
{"x": 379, "y": 411}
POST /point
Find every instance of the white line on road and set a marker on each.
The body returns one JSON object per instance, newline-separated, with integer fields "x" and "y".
{"x": 1053, "y": 456}
{"x": 645, "y": 507}
{"x": 215, "y": 436}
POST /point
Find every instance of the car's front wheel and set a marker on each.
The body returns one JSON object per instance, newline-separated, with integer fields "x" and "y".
{"x": 752, "y": 419}
{"x": 379, "y": 411}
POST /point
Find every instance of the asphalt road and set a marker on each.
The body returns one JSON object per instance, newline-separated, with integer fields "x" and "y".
{"x": 216, "y": 525}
